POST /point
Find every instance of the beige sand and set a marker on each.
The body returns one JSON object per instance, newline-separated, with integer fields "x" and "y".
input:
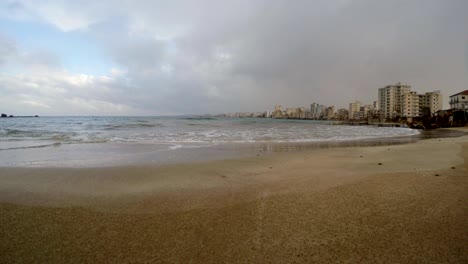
{"x": 325, "y": 205}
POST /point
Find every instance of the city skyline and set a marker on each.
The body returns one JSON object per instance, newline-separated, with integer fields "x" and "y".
{"x": 209, "y": 57}
{"x": 393, "y": 101}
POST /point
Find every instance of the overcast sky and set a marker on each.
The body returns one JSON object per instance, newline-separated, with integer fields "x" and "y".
{"x": 152, "y": 57}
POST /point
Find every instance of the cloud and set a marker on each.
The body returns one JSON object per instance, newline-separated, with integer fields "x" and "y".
{"x": 65, "y": 15}
{"x": 176, "y": 57}
{"x": 13, "y": 56}
{"x": 7, "y": 49}
{"x": 63, "y": 93}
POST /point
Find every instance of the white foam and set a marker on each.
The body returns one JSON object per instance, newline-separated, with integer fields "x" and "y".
{"x": 175, "y": 147}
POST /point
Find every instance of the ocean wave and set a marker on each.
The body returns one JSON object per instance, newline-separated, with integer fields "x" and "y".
{"x": 194, "y": 124}
{"x": 187, "y": 132}
{"x": 56, "y": 144}
{"x": 199, "y": 118}
{"x": 130, "y": 126}
{"x": 18, "y": 133}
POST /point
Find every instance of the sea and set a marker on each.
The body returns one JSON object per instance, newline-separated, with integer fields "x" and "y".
{"x": 113, "y": 141}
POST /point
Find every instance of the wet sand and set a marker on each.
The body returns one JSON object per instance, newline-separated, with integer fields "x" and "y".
{"x": 382, "y": 204}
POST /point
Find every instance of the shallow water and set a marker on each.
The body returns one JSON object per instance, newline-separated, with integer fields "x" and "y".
{"x": 103, "y": 141}
{"x": 179, "y": 132}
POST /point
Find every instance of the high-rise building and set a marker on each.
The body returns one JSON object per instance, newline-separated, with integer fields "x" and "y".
{"x": 390, "y": 99}
{"x": 322, "y": 111}
{"x": 354, "y": 107}
{"x": 301, "y": 112}
{"x": 313, "y": 110}
{"x": 291, "y": 112}
{"x": 433, "y": 101}
{"x": 414, "y": 104}
{"x": 410, "y": 106}
{"x": 278, "y": 113}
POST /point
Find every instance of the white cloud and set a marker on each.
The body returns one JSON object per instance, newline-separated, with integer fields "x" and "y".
{"x": 35, "y": 103}
{"x": 63, "y": 93}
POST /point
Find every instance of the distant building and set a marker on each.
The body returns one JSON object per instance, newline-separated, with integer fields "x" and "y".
{"x": 375, "y": 105}
{"x": 410, "y": 105}
{"x": 278, "y": 113}
{"x": 459, "y": 101}
{"x": 313, "y": 110}
{"x": 301, "y": 112}
{"x": 414, "y": 105}
{"x": 343, "y": 114}
{"x": 366, "y": 110}
{"x": 432, "y": 101}
{"x": 390, "y": 99}
{"x": 354, "y": 107}
{"x": 291, "y": 112}
{"x": 317, "y": 111}
{"x": 330, "y": 112}
{"x": 358, "y": 115}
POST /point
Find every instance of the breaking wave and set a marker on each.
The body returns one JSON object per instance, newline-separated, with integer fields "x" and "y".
{"x": 179, "y": 132}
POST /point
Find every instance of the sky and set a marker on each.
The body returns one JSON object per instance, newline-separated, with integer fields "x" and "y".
{"x": 151, "y": 57}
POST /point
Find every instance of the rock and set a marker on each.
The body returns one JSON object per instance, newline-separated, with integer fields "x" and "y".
{"x": 380, "y": 163}
{"x": 4, "y": 115}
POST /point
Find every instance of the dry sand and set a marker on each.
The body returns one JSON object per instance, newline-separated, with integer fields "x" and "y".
{"x": 317, "y": 206}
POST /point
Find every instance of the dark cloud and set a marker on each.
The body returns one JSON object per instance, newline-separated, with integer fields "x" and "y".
{"x": 218, "y": 56}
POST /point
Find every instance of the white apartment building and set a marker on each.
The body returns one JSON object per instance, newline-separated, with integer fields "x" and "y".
{"x": 291, "y": 112}
{"x": 459, "y": 101}
{"x": 414, "y": 105}
{"x": 390, "y": 99}
{"x": 433, "y": 101}
{"x": 353, "y": 108}
{"x": 278, "y": 113}
{"x": 314, "y": 108}
{"x": 410, "y": 105}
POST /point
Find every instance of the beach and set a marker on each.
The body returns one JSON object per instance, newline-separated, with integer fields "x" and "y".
{"x": 402, "y": 203}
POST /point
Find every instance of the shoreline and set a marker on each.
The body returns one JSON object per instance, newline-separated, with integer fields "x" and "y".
{"x": 392, "y": 203}
{"x": 100, "y": 155}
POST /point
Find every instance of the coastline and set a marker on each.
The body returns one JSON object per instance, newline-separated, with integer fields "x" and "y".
{"x": 50, "y": 154}
{"x": 320, "y": 204}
